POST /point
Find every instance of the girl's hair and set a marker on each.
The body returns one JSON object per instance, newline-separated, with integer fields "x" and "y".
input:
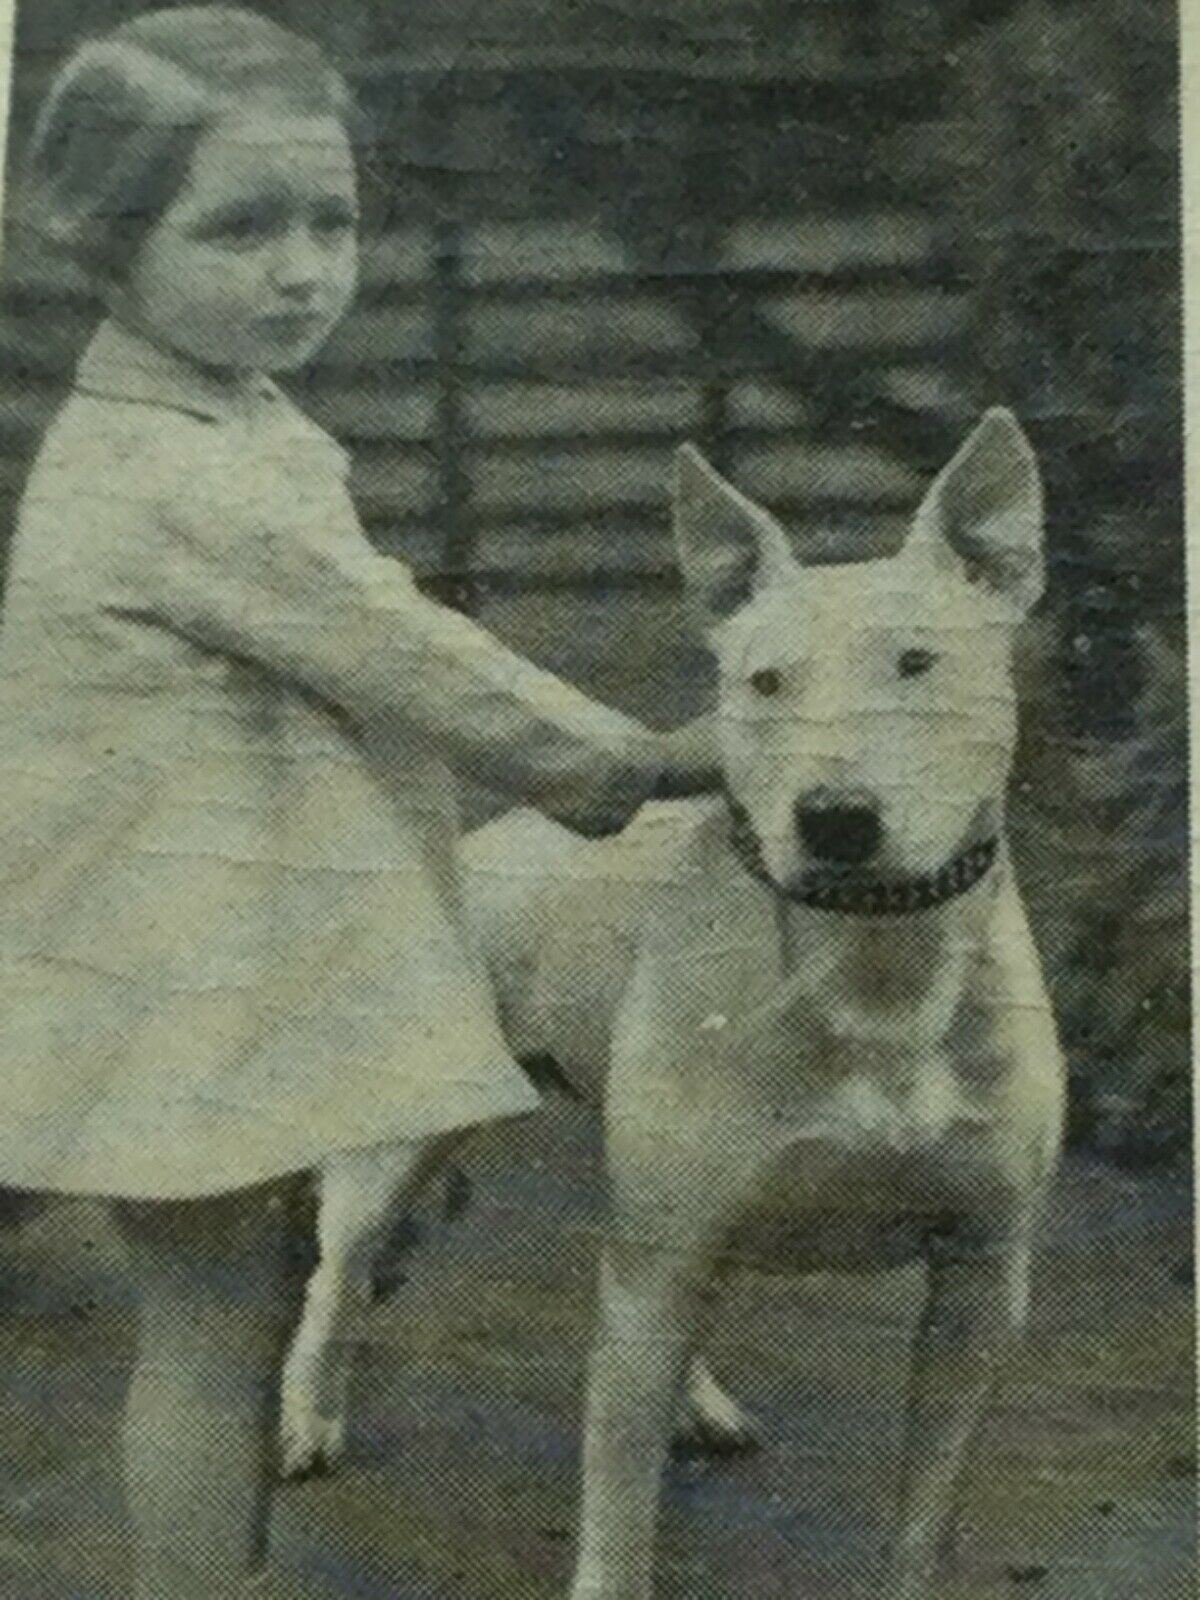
{"x": 113, "y": 142}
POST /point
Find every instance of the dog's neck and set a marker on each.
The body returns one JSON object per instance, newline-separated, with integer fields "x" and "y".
{"x": 889, "y": 897}
{"x": 888, "y": 977}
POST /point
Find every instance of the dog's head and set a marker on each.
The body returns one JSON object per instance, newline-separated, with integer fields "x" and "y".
{"x": 867, "y": 711}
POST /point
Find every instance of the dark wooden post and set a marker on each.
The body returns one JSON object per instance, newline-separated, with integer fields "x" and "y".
{"x": 458, "y": 541}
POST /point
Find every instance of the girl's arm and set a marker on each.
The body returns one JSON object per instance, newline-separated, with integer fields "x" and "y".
{"x": 351, "y": 625}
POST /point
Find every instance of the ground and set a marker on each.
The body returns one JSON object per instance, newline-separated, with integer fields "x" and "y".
{"x": 461, "y": 1475}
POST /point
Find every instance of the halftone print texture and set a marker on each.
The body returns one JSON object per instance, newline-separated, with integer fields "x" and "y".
{"x": 594, "y": 944}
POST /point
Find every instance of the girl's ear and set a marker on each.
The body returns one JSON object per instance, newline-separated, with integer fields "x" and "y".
{"x": 983, "y": 513}
{"x": 728, "y": 547}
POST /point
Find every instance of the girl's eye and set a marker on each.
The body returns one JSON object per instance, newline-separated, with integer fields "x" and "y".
{"x": 915, "y": 663}
{"x": 334, "y": 220}
{"x": 239, "y": 227}
{"x": 767, "y": 680}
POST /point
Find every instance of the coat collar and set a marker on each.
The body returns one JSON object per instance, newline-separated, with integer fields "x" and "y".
{"x": 119, "y": 364}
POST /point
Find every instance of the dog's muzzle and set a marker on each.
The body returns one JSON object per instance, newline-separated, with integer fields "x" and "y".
{"x": 851, "y": 893}
{"x": 842, "y": 833}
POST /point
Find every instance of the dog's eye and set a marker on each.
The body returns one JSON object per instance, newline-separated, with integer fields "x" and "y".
{"x": 913, "y": 663}
{"x": 767, "y": 680}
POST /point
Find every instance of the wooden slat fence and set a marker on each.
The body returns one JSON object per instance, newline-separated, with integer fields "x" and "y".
{"x": 574, "y": 264}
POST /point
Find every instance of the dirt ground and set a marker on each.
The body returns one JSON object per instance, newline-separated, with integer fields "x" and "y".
{"x": 461, "y": 1475}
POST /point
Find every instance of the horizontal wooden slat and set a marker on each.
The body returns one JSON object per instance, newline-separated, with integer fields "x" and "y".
{"x": 574, "y": 446}
{"x": 546, "y": 410}
{"x": 549, "y": 480}
{"x": 854, "y": 473}
{"x": 380, "y": 333}
{"x": 928, "y": 154}
{"x": 822, "y": 518}
{"x": 497, "y": 252}
{"x": 575, "y": 332}
{"x": 806, "y": 244}
{"x": 610, "y": 545}
{"x": 624, "y": 363}
{"x": 707, "y": 41}
{"x": 482, "y": 55}
{"x": 589, "y": 547}
{"x": 599, "y": 549}
{"x": 922, "y": 388}
{"x": 405, "y": 411}
{"x": 837, "y": 534}
{"x": 396, "y": 256}
{"x": 676, "y": 282}
{"x": 394, "y": 484}
{"x": 863, "y": 318}
{"x": 760, "y": 403}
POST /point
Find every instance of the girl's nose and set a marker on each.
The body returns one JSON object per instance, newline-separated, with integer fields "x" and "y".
{"x": 297, "y": 267}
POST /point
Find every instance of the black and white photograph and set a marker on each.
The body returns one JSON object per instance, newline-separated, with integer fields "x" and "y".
{"x": 595, "y": 960}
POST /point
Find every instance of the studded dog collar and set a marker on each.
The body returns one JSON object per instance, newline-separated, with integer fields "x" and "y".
{"x": 868, "y": 897}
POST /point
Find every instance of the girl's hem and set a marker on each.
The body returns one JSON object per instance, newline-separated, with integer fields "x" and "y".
{"x": 268, "y": 1173}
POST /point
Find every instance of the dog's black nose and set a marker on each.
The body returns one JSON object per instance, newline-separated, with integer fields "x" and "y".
{"x": 841, "y": 832}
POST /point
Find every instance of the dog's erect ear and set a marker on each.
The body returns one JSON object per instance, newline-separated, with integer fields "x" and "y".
{"x": 984, "y": 510}
{"x": 727, "y": 545}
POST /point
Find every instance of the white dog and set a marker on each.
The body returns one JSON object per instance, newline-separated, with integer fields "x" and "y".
{"x": 812, "y": 1009}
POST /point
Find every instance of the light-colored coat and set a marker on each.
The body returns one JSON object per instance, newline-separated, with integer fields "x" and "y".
{"x": 811, "y": 1051}
{"x": 230, "y": 934}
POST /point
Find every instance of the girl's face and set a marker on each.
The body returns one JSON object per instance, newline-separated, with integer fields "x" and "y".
{"x": 256, "y": 258}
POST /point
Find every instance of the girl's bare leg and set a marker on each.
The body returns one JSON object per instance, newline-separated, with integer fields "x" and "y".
{"x": 220, "y": 1282}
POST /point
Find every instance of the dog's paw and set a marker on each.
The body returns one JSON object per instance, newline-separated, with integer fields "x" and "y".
{"x": 711, "y": 1423}
{"x": 310, "y": 1446}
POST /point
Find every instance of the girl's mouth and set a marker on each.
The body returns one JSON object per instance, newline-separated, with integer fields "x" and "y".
{"x": 289, "y": 326}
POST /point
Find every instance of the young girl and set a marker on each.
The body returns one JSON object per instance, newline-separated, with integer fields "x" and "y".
{"x": 230, "y": 937}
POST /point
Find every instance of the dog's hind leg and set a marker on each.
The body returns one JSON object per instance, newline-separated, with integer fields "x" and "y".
{"x": 361, "y": 1193}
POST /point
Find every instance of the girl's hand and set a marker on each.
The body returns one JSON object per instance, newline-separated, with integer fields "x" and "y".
{"x": 665, "y": 766}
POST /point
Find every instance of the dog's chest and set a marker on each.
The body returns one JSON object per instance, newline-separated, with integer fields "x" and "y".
{"x": 853, "y": 1168}
{"x": 863, "y": 1122}
{"x": 863, "y": 1048}
{"x": 866, "y": 1014}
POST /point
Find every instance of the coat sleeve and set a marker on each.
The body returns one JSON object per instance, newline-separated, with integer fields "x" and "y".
{"x": 350, "y": 625}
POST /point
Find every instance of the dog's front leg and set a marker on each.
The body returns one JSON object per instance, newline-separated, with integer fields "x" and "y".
{"x": 650, "y": 1299}
{"x": 975, "y": 1307}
